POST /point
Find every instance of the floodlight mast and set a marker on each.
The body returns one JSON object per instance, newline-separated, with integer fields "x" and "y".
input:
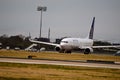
{"x": 40, "y": 8}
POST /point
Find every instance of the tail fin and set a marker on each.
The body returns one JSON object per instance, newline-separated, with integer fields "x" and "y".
{"x": 92, "y": 29}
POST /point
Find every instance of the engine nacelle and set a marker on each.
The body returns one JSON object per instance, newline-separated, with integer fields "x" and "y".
{"x": 88, "y": 50}
{"x": 58, "y": 48}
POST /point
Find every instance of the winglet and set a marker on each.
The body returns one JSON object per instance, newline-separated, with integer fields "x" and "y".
{"x": 92, "y": 29}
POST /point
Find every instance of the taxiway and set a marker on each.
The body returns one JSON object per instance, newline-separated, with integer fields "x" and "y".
{"x": 65, "y": 63}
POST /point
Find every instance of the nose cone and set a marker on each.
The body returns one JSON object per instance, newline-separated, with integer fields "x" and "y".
{"x": 65, "y": 45}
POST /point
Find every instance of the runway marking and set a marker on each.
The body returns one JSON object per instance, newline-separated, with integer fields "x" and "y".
{"x": 64, "y": 63}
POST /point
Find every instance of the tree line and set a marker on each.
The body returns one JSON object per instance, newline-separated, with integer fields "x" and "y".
{"x": 23, "y": 42}
{"x": 14, "y": 41}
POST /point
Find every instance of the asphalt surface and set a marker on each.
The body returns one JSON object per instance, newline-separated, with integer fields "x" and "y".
{"x": 65, "y": 63}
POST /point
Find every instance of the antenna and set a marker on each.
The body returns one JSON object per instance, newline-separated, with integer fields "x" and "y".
{"x": 49, "y": 33}
{"x": 29, "y": 35}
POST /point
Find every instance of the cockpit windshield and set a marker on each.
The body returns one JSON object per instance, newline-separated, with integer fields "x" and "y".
{"x": 64, "y": 41}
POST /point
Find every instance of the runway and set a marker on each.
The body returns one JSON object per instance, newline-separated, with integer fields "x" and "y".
{"x": 65, "y": 63}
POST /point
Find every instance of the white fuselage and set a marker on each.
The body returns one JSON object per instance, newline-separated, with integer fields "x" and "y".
{"x": 73, "y": 43}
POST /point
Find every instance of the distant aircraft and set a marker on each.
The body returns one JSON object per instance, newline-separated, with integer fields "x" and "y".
{"x": 68, "y": 44}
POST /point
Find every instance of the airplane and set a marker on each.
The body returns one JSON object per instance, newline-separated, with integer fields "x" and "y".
{"x": 68, "y": 44}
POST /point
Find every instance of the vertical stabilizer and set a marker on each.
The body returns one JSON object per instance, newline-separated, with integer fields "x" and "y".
{"x": 92, "y": 29}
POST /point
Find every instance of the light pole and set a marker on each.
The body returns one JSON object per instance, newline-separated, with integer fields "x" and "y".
{"x": 40, "y": 8}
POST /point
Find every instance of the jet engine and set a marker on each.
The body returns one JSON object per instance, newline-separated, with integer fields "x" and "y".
{"x": 58, "y": 48}
{"x": 88, "y": 50}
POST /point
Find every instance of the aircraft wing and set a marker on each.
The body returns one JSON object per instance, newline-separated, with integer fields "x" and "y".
{"x": 112, "y": 46}
{"x": 41, "y": 42}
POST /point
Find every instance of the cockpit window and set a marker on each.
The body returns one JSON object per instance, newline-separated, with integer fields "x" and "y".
{"x": 64, "y": 41}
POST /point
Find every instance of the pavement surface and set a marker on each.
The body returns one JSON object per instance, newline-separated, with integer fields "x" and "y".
{"x": 65, "y": 63}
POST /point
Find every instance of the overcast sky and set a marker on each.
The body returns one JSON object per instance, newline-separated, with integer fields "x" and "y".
{"x": 64, "y": 17}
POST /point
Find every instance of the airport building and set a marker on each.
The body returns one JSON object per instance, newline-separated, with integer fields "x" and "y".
{"x": 43, "y": 39}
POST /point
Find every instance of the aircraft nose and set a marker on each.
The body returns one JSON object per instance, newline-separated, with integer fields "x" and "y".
{"x": 65, "y": 46}
{"x": 62, "y": 44}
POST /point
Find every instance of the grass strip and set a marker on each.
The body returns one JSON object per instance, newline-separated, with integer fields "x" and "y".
{"x": 20, "y": 71}
{"x": 11, "y": 78}
{"x": 57, "y": 56}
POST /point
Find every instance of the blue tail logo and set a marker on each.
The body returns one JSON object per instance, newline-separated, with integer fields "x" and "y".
{"x": 92, "y": 29}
